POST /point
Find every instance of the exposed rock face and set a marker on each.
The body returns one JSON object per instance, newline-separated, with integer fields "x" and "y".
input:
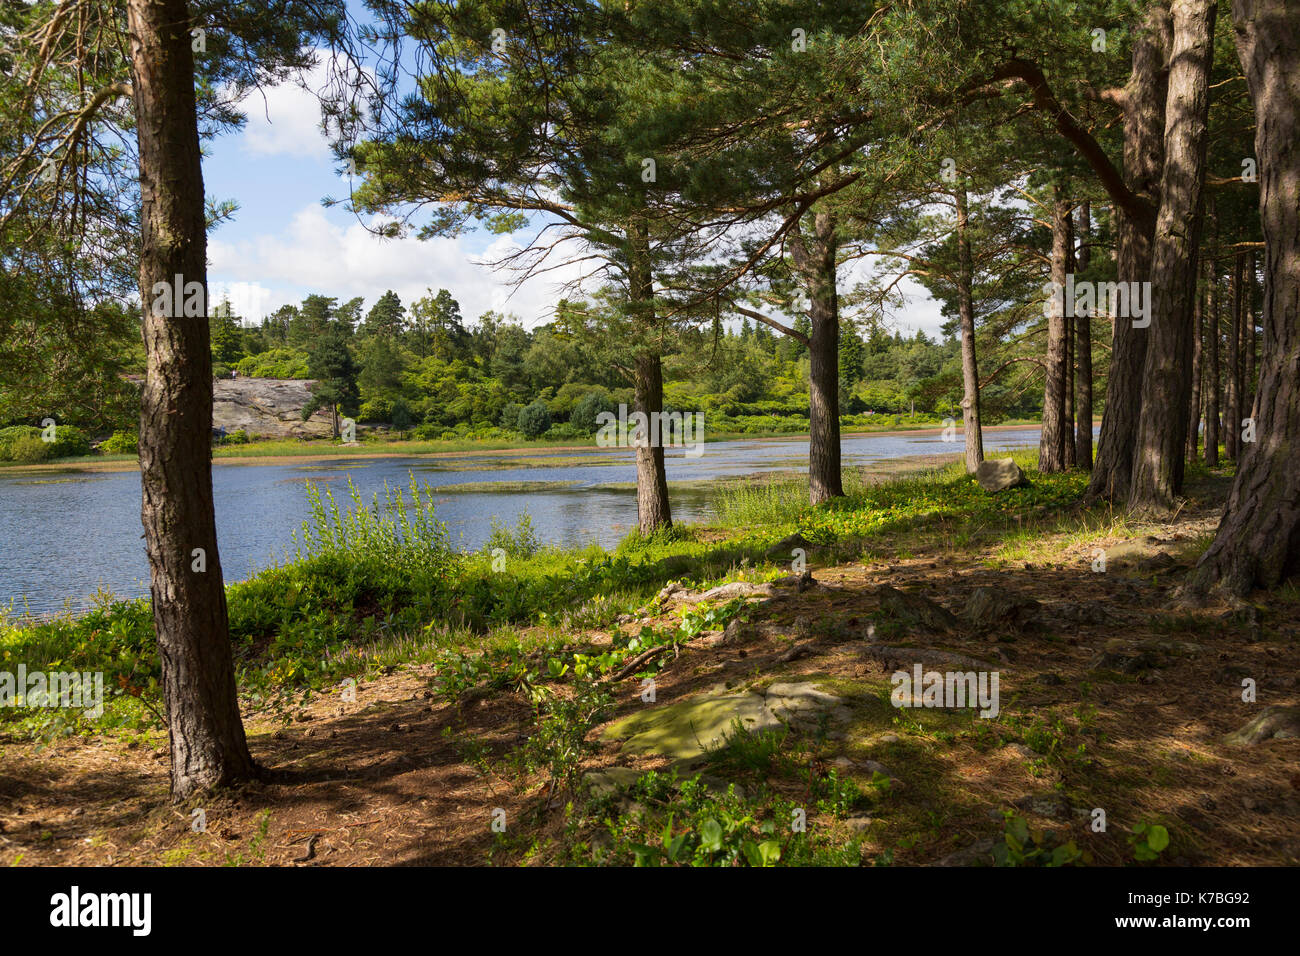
{"x": 267, "y": 408}
{"x": 999, "y": 474}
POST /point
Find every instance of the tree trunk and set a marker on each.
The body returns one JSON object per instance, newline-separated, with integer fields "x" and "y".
{"x": 1214, "y": 387}
{"x": 1144, "y": 124}
{"x": 1167, "y": 386}
{"x": 1198, "y": 332}
{"x": 208, "y": 747}
{"x": 1083, "y": 350}
{"x": 1258, "y": 540}
{"x": 1252, "y": 342}
{"x": 814, "y": 260}
{"x": 970, "y": 402}
{"x": 1052, "y": 438}
{"x": 1231, "y": 435}
{"x": 652, "y": 508}
{"x": 1071, "y": 266}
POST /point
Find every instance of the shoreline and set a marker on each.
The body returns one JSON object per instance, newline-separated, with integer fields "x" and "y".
{"x": 334, "y": 457}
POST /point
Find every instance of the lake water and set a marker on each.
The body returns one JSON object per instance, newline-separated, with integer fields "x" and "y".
{"x": 65, "y": 534}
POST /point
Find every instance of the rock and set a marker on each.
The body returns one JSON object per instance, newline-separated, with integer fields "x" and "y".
{"x": 726, "y": 592}
{"x": 735, "y": 631}
{"x": 915, "y": 609}
{"x": 797, "y": 652}
{"x": 989, "y": 606}
{"x": 781, "y": 551}
{"x": 977, "y": 854}
{"x": 1121, "y": 656}
{"x": 1019, "y": 752}
{"x": 874, "y": 767}
{"x": 687, "y": 729}
{"x": 999, "y": 474}
{"x": 1045, "y": 805}
{"x": 1160, "y": 561}
{"x": 267, "y": 408}
{"x": 611, "y": 779}
{"x": 670, "y": 591}
{"x": 1275, "y": 722}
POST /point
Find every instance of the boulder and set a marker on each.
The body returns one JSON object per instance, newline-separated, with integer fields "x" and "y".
{"x": 989, "y": 606}
{"x": 687, "y": 729}
{"x": 1273, "y": 722}
{"x": 914, "y": 608}
{"x": 999, "y": 474}
{"x": 267, "y": 408}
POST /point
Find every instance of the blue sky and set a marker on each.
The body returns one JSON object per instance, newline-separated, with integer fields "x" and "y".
{"x": 282, "y": 244}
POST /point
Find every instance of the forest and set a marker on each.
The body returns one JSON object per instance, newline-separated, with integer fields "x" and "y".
{"x": 1075, "y": 651}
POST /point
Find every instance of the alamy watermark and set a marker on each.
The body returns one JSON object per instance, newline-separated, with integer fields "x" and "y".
{"x": 1122, "y": 300}
{"x": 653, "y": 430}
{"x": 77, "y": 690}
{"x": 952, "y": 689}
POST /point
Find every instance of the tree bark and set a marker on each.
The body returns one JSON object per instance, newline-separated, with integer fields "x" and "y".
{"x": 1231, "y": 433}
{"x": 1214, "y": 387}
{"x": 1083, "y": 350}
{"x": 1162, "y": 430}
{"x": 970, "y": 402}
{"x": 1052, "y": 438}
{"x": 1258, "y": 540}
{"x": 1198, "y": 333}
{"x": 814, "y": 258}
{"x": 1144, "y": 124}
{"x": 652, "y": 506}
{"x": 1252, "y": 340}
{"x": 208, "y": 746}
{"x": 1071, "y": 266}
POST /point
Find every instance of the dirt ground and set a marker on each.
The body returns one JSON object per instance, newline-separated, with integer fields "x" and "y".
{"x": 1147, "y": 687}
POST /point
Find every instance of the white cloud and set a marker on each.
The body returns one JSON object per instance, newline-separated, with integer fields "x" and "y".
{"x": 314, "y": 254}
{"x": 284, "y": 120}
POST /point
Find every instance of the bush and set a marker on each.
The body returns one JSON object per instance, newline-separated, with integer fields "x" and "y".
{"x": 16, "y": 443}
{"x": 583, "y": 416}
{"x": 10, "y": 435}
{"x": 375, "y": 410}
{"x": 120, "y": 443}
{"x": 31, "y": 448}
{"x": 534, "y": 420}
{"x": 69, "y": 441}
{"x": 510, "y": 416}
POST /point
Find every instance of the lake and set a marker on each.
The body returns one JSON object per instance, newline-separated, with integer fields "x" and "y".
{"x": 66, "y": 534}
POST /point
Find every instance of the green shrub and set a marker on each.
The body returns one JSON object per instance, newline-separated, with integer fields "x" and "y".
{"x": 10, "y": 435}
{"x": 510, "y": 416}
{"x": 583, "y": 416}
{"x": 120, "y": 443}
{"x": 30, "y": 448}
{"x": 69, "y": 441}
{"x": 534, "y": 420}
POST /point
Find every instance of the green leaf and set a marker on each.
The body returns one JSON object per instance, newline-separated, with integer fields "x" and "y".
{"x": 711, "y": 835}
{"x": 1157, "y": 837}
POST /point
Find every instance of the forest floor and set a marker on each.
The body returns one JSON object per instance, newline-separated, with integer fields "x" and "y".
{"x": 1113, "y": 697}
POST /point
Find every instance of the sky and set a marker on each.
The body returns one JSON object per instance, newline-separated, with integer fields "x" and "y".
{"x": 283, "y": 245}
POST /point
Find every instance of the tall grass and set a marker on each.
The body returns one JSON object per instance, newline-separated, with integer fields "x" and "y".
{"x": 399, "y": 531}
